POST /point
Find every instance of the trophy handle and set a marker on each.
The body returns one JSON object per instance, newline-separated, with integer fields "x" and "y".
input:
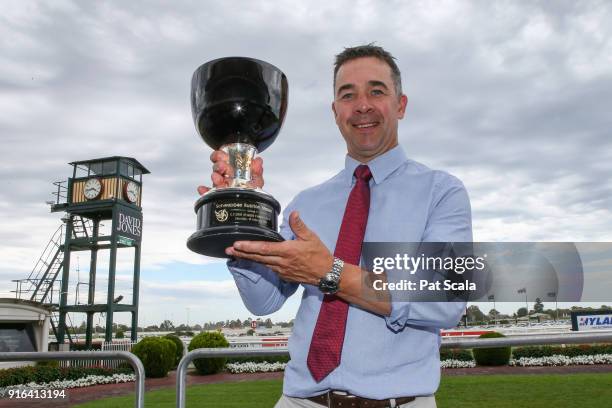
{"x": 240, "y": 157}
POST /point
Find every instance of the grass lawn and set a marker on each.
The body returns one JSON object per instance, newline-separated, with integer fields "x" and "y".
{"x": 477, "y": 391}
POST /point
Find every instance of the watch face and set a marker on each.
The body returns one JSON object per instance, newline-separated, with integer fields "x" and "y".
{"x": 93, "y": 188}
{"x": 329, "y": 284}
{"x": 130, "y": 191}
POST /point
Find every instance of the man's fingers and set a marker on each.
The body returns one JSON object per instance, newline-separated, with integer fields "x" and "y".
{"x": 298, "y": 227}
{"x": 218, "y": 180}
{"x": 256, "y": 181}
{"x": 219, "y": 155}
{"x": 257, "y": 166}
{"x": 224, "y": 169}
{"x": 257, "y": 172}
{"x": 268, "y": 260}
{"x": 203, "y": 190}
{"x": 261, "y": 248}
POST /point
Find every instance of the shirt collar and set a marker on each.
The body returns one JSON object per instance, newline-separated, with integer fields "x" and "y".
{"x": 381, "y": 166}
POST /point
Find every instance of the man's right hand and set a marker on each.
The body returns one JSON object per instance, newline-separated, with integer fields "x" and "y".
{"x": 222, "y": 172}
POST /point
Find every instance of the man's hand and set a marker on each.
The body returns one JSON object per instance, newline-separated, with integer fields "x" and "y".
{"x": 303, "y": 260}
{"x": 222, "y": 171}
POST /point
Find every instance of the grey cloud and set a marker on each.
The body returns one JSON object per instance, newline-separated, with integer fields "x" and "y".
{"x": 512, "y": 97}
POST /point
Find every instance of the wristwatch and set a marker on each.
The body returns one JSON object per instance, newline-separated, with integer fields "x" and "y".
{"x": 329, "y": 284}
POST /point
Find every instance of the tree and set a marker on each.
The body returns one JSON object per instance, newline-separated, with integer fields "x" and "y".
{"x": 538, "y": 307}
{"x": 166, "y": 325}
{"x": 268, "y": 323}
{"x": 521, "y": 312}
{"x": 493, "y": 313}
{"x": 474, "y": 314}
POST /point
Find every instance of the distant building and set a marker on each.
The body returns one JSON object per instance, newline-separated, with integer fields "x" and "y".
{"x": 24, "y": 326}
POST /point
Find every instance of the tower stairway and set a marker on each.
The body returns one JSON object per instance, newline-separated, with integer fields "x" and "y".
{"x": 42, "y": 283}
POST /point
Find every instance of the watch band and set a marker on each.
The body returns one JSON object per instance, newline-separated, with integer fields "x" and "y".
{"x": 329, "y": 284}
{"x": 337, "y": 266}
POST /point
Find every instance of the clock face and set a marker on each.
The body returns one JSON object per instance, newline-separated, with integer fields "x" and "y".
{"x": 93, "y": 188}
{"x": 130, "y": 191}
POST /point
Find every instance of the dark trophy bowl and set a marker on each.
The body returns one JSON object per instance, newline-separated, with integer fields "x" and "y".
{"x": 238, "y": 105}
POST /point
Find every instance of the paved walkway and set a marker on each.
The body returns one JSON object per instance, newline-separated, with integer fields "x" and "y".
{"x": 81, "y": 395}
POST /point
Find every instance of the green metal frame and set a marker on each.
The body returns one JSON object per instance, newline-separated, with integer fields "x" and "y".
{"x": 97, "y": 211}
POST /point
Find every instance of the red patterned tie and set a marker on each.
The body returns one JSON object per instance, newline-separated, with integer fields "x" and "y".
{"x": 326, "y": 344}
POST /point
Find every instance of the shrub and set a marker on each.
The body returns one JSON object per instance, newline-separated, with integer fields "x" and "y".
{"x": 493, "y": 356}
{"x": 532, "y": 351}
{"x": 83, "y": 347}
{"x": 207, "y": 366}
{"x": 157, "y": 355}
{"x": 456, "y": 354}
{"x": 569, "y": 351}
{"x": 179, "y": 348}
{"x": 24, "y": 375}
{"x": 48, "y": 363}
{"x": 119, "y": 334}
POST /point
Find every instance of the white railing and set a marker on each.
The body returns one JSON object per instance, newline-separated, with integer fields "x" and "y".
{"x": 116, "y": 345}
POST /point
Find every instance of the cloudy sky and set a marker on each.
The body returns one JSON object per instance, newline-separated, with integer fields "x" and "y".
{"x": 511, "y": 97}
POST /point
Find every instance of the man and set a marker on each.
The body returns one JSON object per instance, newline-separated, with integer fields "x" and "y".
{"x": 349, "y": 344}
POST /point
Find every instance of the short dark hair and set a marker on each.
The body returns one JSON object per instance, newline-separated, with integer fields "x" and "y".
{"x": 370, "y": 50}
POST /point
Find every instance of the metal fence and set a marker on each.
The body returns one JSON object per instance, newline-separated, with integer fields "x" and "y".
{"x": 87, "y": 355}
{"x": 574, "y": 338}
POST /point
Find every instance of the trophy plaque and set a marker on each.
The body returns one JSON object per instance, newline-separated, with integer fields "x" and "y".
{"x": 238, "y": 106}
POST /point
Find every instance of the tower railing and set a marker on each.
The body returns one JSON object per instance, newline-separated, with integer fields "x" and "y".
{"x": 61, "y": 194}
{"x": 39, "y": 282}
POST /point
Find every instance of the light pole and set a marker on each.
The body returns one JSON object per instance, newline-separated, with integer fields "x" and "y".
{"x": 554, "y": 294}
{"x": 524, "y": 290}
{"x": 492, "y": 297}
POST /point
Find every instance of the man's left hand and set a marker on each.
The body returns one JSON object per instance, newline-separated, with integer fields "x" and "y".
{"x": 303, "y": 260}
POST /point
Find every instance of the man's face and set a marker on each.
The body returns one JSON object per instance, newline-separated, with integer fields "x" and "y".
{"x": 367, "y": 108}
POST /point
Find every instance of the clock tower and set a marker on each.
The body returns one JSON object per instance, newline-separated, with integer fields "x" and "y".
{"x": 101, "y": 191}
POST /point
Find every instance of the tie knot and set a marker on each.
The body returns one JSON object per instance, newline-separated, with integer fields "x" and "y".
{"x": 362, "y": 172}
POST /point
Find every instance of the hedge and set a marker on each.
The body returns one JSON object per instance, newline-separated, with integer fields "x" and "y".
{"x": 492, "y": 356}
{"x": 568, "y": 351}
{"x": 456, "y": 354}
{"x": 207, "y": 366}
{"x": 44, "y": 374}
{"x": 157, "y": 355}
{"x": 179, "y": 348}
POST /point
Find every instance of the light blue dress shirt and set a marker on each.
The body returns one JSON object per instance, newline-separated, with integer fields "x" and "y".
{"x": 382, "y": 356}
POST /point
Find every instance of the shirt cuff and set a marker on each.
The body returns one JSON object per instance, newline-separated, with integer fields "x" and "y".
{"x": 245, "y": 268}
{"x": 400, "y": 305}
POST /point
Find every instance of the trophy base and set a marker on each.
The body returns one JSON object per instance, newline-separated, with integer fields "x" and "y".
{"x": 233, "y": 214}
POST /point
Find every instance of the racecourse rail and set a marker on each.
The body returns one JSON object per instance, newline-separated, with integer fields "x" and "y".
{"x": 181, "y": 371}
{"x": 573, "y": 338}
{"x": 86, "y": 355}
